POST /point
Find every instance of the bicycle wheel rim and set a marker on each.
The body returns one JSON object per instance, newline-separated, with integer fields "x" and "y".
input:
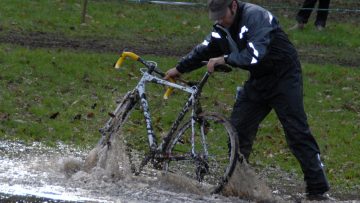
{"x": 221, "y": 152}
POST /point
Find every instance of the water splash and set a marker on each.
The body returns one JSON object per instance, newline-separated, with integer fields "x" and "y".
{"x": 104, "y": 175}
{"x": 31, "y": 173}
{"x": 246, "y": 184}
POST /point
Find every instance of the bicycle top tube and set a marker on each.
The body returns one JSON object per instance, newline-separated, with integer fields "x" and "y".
{"x": 152, "y": 67}
{"x": 147, "y": 77}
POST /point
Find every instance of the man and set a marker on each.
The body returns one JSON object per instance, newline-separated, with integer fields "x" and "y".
{"x": 303, "y": 15}
{"x": 249, "y": 37}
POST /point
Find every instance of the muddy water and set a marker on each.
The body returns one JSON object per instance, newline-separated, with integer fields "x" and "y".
{"x": 33, "y": 173}
{"x": 37, "y": 173}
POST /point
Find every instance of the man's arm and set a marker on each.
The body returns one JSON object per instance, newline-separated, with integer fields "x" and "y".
{"x": 202, "y": 52}
{"x": 258, "y": 29}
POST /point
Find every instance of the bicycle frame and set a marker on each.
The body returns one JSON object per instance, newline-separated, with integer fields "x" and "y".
{"x": 161, "y": 155}
{"x": 191, "y": 102}
{"x": 157, "y": 153}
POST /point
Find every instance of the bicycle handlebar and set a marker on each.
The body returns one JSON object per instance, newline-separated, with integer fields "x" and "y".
{"x": 123, "y": 56}
{"x": 169, "y": 90}
{"x": 135, "y": 57}
{"x": 151, "y": 66}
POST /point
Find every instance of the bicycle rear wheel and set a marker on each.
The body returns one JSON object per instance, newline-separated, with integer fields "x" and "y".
{"x": 214, "y": 157}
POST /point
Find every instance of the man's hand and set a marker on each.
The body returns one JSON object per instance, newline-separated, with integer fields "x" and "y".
{"x": 172, "y": 73}
{"x": 213, "y": 62}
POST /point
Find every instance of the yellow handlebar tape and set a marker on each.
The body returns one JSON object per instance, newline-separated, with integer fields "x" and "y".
{"x": 131, "y": 55}
{"x": 169, "y": 90}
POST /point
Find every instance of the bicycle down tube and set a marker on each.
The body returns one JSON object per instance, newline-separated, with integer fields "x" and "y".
{"x": 141, "y": 90}
{"x": 193, "y": 97}
{"x": 193, "y": 91}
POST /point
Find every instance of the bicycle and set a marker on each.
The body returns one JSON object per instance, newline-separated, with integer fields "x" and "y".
{"x": 205, "y": 148}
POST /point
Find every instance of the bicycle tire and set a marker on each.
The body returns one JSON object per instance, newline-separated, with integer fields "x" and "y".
{"x": 112, "y": 132}
{"x": 222, "y": 145}
{"x": 118, "y": 118}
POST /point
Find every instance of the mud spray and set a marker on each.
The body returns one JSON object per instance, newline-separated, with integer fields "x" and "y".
{"x": 110, "y": 164}
{"x": 246, "y": 184}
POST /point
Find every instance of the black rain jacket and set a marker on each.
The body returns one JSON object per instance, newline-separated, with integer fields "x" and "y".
{"x": 255, "y": 42}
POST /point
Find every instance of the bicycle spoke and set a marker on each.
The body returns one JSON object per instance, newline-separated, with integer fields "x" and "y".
{"x": 211, "y": 166}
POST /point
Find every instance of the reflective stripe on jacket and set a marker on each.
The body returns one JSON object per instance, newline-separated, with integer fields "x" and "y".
{"x": 255, "y": 42}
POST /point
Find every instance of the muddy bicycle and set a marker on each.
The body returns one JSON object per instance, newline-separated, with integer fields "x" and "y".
{"x": 204, "y": 147}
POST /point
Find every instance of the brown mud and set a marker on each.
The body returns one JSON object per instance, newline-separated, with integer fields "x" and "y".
{"x": 112, "y": 162}
{"x": 246, "y": 184}
{"x": 59, "y": 41}
{"x": 116, "y": 45}
{"x": 112, "y": 157}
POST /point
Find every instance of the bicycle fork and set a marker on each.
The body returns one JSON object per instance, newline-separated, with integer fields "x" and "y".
{"x": 200, "y": 159}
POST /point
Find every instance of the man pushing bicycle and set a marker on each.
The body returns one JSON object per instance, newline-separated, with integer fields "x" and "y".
{"x": 249, "y": 37}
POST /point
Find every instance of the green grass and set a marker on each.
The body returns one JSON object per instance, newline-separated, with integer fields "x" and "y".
{"x": 40, "y": 83}
{"x": 176, "y": 27}
{"x": 345, "y": 36}
{"x": 106, "y": 19}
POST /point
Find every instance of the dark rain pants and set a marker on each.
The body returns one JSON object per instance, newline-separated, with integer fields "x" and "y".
{"x": 284, "y": 94}
{"x": 322, "y": 13}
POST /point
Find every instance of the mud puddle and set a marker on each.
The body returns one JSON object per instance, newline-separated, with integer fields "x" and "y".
{"x": 31, "y": 173}
{"x": 35, "y": 173}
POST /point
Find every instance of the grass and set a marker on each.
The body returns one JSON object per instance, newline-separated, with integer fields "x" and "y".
{"x": 174, "y": 27}
{"x": 106, "y": 19}
{"x": 40, "y": 84}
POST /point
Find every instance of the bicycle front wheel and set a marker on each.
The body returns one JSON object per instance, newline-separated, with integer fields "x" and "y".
{"x": 211, "y": 157}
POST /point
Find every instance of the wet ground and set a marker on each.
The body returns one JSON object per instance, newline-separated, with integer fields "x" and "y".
{"x": 37, "y": 173}
{"x": 312, "y": 54}
{"x": 32, "y": 173}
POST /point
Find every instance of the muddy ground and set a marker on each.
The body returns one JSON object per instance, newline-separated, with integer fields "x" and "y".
{"x": 311, "y": 54}
{"x": 58, "y": 41}
{"x": 36, "y": 173}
